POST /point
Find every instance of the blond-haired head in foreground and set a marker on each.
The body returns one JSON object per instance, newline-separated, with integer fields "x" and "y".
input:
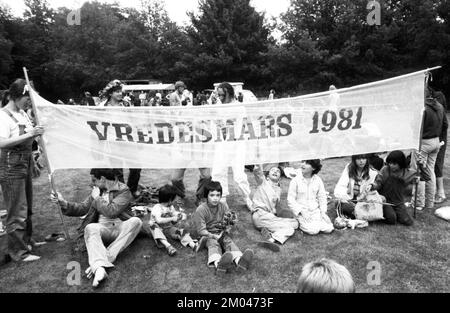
{"x": 325, "y": 276}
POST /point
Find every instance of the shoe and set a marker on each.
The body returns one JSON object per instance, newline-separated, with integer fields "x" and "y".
{"x": 35, "y": 243}
{"x": 419, "y": 208}
{"x": 3, "y": 213}
{"x": 201, "y": 244}
{"x": 100, "y": 275}
{"x": 269, "y": 245}
{"x": 246, "y": 259}
{"x": 55, "y": 237}
{"x": 440, "y": 199}
{"x": 226, "y": 261}
{"x": 31, "y": 258}
{"x": 171, "y": 250}
{"x": 266, "y": 234}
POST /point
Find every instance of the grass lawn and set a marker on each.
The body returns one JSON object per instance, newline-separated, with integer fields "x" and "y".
{"x": 412, "y": 259}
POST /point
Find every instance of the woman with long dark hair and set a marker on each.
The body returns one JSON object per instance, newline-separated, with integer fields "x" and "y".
{"x": 356, "y": 174}
{"x": 16, "y": 163}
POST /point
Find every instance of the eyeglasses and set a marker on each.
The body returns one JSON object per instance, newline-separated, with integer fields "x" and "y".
{"x": 221, "y": 95}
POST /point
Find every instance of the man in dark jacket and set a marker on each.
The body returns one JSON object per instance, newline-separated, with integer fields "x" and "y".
{"x": 108, "y": 221}
{"x": 433, "y": 133}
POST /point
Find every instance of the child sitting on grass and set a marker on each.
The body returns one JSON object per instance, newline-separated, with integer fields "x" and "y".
{"x": 209, "y": 222}
{"x": 164, "y": 221}
{"x": 325, "y": 276}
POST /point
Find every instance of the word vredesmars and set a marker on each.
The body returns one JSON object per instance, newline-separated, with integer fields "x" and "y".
{"x": 202, "y": 131}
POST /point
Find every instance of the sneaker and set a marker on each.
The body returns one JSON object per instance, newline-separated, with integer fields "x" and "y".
{"x": 31, "y": 258}
{"x": 100, "y": 275}
{"x": 440, "y": 199}
{"x": 201, "y": 244}
{"x": 419, "y": 208}
{"x": 269, "y": 245}
{"x": 226, "y": 261}
{"x": 246, "y": 259}
{"x": 3, "y": 213}
{"x": 266, "y": 234}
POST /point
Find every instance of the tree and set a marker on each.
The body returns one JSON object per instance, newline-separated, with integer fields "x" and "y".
{"x": 6, "y": 45}
{"x": 229, "y": 39}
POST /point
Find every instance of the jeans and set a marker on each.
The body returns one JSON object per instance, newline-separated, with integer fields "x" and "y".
{"x": 398, "y": 213}
{"x": 426, "y": 192}
{"x": 177, "y": 181}
{"x": 215, "y": 248}
{"x": 133, "y": 179}
{"x": 118, "y": 235}
{"x": 280, "y": 228}
{"x": 18, "y": 197}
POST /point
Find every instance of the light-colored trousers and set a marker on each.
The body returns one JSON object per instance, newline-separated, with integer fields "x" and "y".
{"x": 315, "y": 224}
{"x": 219, "y": 171}
{"x": 172, "y": 232}
{"x": 427, "y": 190}
{"x": 280, "y": 228}
{"x": 117, "y": 235}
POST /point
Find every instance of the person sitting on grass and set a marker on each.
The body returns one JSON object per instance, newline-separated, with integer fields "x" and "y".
{"x": 356, "y": 175}
{"x": 109, "y": 226}
{"x": 325, "y": 276}
{"x": 164, "y": 220}
{"x": 210, "y": 222}
{"x": 307, "y": 199}
{"x": 266, "y": 199}
{"x": 395, "y": 182}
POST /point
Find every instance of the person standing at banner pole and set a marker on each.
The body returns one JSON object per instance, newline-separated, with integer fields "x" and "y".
{"x": 433, "y": 126}
{"x": 219, "y": 171}
{"x": 439, "y": 166}
{"x": 114, "y": 97}
{"x": 16, "y": 165}
{"x": 178, "y": 174}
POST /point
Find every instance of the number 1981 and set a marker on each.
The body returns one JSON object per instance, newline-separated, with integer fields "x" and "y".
{"x": 330, "y": 118}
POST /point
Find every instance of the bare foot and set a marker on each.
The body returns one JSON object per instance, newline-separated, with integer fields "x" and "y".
{"x": 100, "y": 275}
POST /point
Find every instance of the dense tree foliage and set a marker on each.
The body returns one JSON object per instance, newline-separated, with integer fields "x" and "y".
{"x": 322, "y": 43}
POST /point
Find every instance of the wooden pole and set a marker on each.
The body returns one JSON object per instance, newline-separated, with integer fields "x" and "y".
{"x": 420, "y": 145}
{"x": 42, "y": 144}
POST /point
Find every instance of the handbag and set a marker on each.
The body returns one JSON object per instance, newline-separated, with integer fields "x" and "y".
{"x": 369, "y": 207}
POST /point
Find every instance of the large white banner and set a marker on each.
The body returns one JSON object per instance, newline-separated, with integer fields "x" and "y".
{"x": 380, "y": 116}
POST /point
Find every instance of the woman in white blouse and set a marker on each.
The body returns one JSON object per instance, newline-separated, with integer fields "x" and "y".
{"x": 308, "y": 200}
{"x": 356, "y": 175}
